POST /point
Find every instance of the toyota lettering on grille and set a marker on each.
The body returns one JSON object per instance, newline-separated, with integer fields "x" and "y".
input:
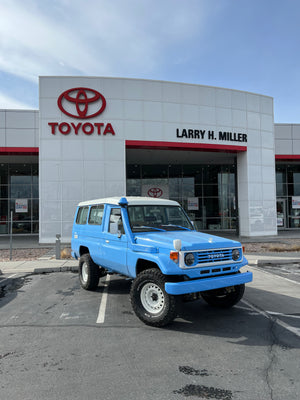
{"x": 79, "y": 101}
{"x": 218, "y": 255}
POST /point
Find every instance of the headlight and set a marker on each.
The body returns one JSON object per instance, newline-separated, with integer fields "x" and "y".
{"x": 235, "y": 254}
{"x": 189, "y": 259}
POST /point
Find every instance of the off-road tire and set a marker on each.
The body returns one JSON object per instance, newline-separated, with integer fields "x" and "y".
{"x": 149, "y": 300}
{"x": 89, "y": 273}
{"x": 225, "y": 297}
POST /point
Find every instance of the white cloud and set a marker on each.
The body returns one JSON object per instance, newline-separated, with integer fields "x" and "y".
{"x": 7, "y": 102}
{"x": 94, "y": 37}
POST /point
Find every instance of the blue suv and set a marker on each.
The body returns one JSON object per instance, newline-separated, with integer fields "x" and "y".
{"x": 154, "y": 242}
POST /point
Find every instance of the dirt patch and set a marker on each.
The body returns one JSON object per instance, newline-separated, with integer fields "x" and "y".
{"x": 23, "y": 254}
{"x": 292, "y": 245}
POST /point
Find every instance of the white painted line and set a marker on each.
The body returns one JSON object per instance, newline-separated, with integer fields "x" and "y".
{"x": 288, "y": 327}
{"x": 283, "y": 315}
{"x": 102, "y": 308}
{"x": 9, "y": 277}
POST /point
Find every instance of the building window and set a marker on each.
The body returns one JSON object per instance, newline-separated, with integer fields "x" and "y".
{"x": 206, "y": 192}
{"x": 288, "y": 195}
{"x": 19, "y": 194}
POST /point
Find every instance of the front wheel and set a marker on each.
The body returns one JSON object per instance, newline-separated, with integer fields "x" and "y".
{"x": 224, "y": 298}
{"x": 150, "y": 302}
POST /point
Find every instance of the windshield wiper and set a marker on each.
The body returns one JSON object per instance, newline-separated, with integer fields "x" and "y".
{"x": 178, "y": 226}
{"x": 147, "y": 227}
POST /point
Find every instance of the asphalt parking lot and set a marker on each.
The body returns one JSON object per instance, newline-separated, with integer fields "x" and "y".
{"x": 61, "y": 342}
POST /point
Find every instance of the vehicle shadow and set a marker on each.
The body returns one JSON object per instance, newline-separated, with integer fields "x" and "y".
{"x": 241, "y": 324}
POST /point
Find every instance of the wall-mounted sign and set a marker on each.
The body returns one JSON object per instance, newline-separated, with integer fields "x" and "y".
{"x": 81, "y": 103}
{"x": 21, "y": 206}
{"x": 157, "y": 191}
{"x": 193, "y": 203}
{"x": 203, "y": 134}
{"x": 296, "y": 202}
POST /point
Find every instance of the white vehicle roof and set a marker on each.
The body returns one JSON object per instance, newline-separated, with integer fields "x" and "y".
{"x": 132, "y": 200}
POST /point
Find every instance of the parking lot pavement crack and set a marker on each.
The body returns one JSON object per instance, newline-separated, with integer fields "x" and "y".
{"x": 271, "y": 356}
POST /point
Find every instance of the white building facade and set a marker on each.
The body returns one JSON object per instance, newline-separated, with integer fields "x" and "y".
{"x": 211, "y": 149}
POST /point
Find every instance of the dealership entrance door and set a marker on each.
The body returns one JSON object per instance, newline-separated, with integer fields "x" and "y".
{"x": 203, "y": 183}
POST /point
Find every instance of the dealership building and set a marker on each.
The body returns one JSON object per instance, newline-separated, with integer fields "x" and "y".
{"x": 216, "y": 151}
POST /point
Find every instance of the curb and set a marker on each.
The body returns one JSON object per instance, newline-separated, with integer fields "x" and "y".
{"x": 57, "y": 269}
{"x": 258, "y": 262}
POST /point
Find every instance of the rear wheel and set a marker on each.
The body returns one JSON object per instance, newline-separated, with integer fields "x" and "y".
{"x": 225, "y": 297}
{"x": 89, "y": 273}
{"x": 150, "y": 302}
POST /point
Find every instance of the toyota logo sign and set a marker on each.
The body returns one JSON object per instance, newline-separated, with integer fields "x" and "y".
{"x": 155, "y": 192}
{"x": 81, "y": 103}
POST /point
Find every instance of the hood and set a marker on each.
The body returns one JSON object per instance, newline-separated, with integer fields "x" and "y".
{"x": 191, "y": 240}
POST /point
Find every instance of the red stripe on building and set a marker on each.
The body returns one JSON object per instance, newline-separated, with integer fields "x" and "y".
{"x": 27, "y": 151}
{"x": 141, "y": 144}
{"x": 287, "y": 157}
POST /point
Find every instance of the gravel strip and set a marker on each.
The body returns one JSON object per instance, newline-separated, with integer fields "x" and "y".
{"x": 23, "y": 254}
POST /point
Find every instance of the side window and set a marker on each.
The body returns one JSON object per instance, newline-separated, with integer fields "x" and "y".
{"x": 96, "y": 215}
{"x": 82, "y": 215}
{"x": 115, "y": 221}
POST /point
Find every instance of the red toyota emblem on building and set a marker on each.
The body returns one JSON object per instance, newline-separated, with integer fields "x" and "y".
{"x": 155, "y": 192}
{"x": 76, "y": 103}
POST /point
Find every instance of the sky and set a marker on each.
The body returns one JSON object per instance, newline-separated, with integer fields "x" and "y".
{"x": 249, "y": 45}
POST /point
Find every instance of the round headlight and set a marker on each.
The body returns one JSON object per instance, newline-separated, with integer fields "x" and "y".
{"x": 235, "y": 254}
{"x": 189, "y": 259}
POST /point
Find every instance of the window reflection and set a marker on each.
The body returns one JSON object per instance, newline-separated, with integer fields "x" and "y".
{"x": 207, "y": 193}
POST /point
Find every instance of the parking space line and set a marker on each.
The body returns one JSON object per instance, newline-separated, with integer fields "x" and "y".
{"x": 288, "y": 327}
{"x": 102, "y": 308}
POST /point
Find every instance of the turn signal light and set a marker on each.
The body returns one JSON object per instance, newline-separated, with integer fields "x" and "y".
{"x": 174, "y": 256}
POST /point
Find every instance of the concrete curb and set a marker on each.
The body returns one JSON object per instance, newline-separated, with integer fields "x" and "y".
{"x": 57, "y": 269}
{"x": 258, "y": 262}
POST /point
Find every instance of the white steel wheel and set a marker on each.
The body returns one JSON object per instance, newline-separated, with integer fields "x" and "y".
{"x": 152, "y": 298}
{"x": 149, "y": 300}
{"x": 84, "y": 272}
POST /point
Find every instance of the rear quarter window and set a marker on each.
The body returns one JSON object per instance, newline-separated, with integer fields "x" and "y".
{"x": 82, "y": 215}
{"x": 96, "y": 215}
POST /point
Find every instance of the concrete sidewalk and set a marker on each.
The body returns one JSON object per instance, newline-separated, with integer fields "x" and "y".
{"x": 46, "y": 265}
{"x": 38, "y": 266}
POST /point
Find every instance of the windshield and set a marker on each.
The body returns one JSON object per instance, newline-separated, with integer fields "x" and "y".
{"x": 158, "y": 218}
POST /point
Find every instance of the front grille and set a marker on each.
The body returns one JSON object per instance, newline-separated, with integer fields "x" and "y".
{"x": 213, "y": 256}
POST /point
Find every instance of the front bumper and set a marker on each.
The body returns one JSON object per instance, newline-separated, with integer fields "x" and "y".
{"x": 201, "y": 285}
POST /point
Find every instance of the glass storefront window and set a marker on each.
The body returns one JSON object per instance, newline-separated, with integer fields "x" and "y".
{"x": 213, "y": 186}
{"x": 19, "y": 193}
{"x": 287, "y": 188}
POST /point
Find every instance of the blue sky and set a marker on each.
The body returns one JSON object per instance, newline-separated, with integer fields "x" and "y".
{"x": 250, "y": 45}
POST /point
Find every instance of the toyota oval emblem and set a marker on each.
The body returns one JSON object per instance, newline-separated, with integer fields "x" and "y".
{"x": 78, "y": 102}
{"x": 155, "y": 192}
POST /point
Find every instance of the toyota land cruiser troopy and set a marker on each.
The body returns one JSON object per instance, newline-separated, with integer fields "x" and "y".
{"x": 153, "y": 242}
